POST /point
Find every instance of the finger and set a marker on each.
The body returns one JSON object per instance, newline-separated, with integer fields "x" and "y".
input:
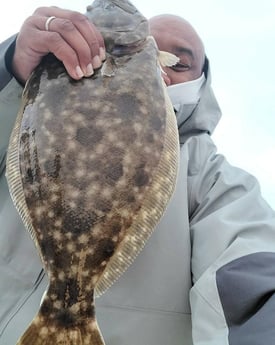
{"x": 33, "y": 43}
{"x": 64, "y": 36}
{"x": 89, "y": 32}
{"x": 71, "y": 36}
{"x": 92, "y": 36}
{"x": 65, "y": 53}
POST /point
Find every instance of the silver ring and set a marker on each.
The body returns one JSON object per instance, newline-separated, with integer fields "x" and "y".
{"x": 48, "y": 21}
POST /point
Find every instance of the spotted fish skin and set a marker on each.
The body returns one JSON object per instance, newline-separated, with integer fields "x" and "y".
{"x": 91, "y": 167}
{"x": 120, "y": 23}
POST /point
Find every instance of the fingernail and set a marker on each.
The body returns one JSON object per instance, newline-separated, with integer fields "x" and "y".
{"x": 89, "y": 70}
{"x": 102, "y": 53}
{"x": 79, "y": 72}
{"x": 96, "y": 62}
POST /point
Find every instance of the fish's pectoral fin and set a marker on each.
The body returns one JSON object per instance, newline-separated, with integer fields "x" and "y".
{"x": 167, "y": 59}
{"x": 108, "y": 68}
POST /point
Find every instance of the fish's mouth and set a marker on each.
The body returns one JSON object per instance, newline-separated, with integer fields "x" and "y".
{"x": 127, "y": 49}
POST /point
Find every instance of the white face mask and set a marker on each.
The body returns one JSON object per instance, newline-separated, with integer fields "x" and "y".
{"x": 186, "y": 95}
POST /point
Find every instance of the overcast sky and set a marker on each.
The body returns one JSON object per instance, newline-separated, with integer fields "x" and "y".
{"x": 239, "y": 37}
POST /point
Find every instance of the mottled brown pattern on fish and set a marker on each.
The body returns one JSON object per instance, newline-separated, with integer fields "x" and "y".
{"x": 39, "y": 334}
{"x": 91, "y": 167}
{"x": 87, "y": 162}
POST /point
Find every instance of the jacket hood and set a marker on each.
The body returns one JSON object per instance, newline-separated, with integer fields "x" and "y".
{"x": 206, "y": 114}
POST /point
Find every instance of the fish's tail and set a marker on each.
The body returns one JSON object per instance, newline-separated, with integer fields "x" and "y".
{"x": 43, "y": 331}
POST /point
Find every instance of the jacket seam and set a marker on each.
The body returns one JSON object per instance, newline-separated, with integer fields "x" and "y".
{"x": 207, "y": 302}
{"x": 153, "y": 310}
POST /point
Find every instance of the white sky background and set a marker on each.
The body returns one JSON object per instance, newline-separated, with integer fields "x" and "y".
{"x": 239, "y": 37}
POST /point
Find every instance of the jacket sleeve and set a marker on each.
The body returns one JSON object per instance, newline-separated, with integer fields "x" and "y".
{"x": 233, "y": 252}
{"x": 10, "y": 96}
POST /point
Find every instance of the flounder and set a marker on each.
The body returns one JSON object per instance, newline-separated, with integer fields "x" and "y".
{"x": 91, "y": 167}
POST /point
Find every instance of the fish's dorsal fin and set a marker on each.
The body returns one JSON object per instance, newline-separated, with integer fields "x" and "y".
{"x": 14, "y": 179}
{"x": 153, "y": 207}
{"x": 167, "y": 59}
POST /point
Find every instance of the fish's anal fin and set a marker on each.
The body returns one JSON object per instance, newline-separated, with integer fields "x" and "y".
{"x": 167, "y": 59}
{"x": 43, "y": 332}
{"x": 108, "y": 68}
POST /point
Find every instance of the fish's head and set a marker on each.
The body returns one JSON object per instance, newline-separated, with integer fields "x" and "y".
{"x": 119, "y": 22}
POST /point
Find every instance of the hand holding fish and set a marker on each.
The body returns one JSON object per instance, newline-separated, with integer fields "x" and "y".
{"x": 69, "y": 35}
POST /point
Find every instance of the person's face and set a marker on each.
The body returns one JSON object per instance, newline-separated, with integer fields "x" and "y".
{"x": 179, "y": 38}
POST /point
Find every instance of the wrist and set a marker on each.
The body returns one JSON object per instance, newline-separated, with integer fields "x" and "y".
{"x": 15, "y": 72}
{"x": 11, "y": 63}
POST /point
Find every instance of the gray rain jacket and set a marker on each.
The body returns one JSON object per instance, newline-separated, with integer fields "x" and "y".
{"x": 210, "y": 263}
